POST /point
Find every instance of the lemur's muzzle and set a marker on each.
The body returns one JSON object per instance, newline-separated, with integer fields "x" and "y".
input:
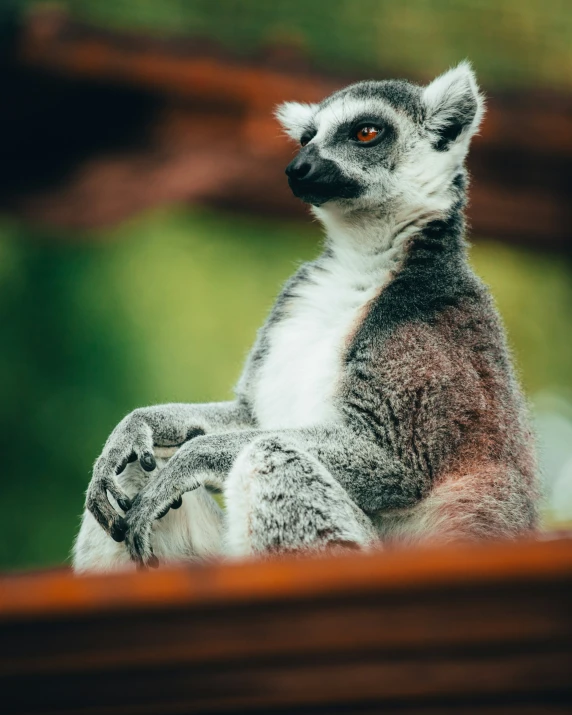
{"x": 316, "y": 180}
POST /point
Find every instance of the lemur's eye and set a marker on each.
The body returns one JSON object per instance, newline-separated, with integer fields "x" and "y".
{"x": 367, "y": 134}
{"x": 307, "y": 136}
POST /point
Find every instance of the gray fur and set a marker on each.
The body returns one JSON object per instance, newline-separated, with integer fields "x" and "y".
{"x": 379, "y": 402}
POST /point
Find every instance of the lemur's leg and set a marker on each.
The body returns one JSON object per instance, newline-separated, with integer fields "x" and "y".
{"x": 280, "y": 498}
{"x": 134, "y": 455}
{"x": 374, "y": 479}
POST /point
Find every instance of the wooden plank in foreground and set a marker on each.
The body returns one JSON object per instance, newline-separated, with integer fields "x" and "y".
{"x": 475, "y": 629}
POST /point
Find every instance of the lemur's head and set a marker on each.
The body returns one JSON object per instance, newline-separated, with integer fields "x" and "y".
{"x": 377, "y": 145}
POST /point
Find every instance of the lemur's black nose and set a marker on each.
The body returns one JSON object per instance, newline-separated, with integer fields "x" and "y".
{"x": 299, "y": 168}
{"x": 316, "y": 180}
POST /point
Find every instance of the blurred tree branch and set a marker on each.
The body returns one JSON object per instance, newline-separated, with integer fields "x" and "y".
{"x": 102, "y": 124}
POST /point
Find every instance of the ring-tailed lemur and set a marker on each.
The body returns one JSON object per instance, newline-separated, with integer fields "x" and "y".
{"x": 379, "y": 402}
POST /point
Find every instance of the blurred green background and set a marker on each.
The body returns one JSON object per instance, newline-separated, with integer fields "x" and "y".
{"x": 165, "y": 306}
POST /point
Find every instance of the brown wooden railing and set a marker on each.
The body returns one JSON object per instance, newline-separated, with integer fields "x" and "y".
{"x": 483, "y": 629}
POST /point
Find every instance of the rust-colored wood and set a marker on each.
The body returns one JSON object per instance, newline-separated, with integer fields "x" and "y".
{"x": 29, "y": 594}
{"x": 483, "y": 629}
{"x": 521, "y": 163}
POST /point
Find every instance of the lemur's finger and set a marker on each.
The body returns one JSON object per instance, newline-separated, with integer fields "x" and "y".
{"x": 153, "y": 561}
{"x": 143, "y": 447}
{"x": 147, "y": 461}
{"x": 175, "y": 505}
{"x": 107, "y": 517}
{"x": 164, "y": 512}
{"x": 119, "y": 529}
{"x": 137, "y": 541}
{"x": 194, "y": 432}
{"x": 131, "y": 458}
{"x": 122, "y": 499}
{"x": 121, "y": 467}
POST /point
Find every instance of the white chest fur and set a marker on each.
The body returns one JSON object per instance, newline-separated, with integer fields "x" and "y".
{"x": 298, "y": 380}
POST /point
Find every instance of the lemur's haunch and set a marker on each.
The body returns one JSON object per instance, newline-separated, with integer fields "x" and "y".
{"x": 379, "y": 402}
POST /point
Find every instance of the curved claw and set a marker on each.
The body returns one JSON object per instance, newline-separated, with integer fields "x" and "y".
{"x": 106, "y": 516}
{"x": 164, "y": 512}
{"x": 147, "y": 461}
{"x": 153, "y": 562}
{"x": 119, "y": 529}
{"x": 138, "y": 547}
{"x": 176, "y": 504}
{"x": 128, "y": 460}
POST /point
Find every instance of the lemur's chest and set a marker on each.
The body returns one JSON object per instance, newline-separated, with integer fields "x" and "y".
{"x": 300, "y": 375}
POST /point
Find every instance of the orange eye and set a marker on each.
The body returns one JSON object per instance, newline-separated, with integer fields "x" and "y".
{"x": 367, "y": 134}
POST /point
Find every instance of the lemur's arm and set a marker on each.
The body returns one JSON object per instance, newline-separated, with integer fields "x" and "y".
{"x": 136, "y": 437}
{"x": 373, "y": 478}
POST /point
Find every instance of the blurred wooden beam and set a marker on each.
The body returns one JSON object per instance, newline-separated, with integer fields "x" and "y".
{"x": 483, "y": 629}
{"x": 208, "y": 135}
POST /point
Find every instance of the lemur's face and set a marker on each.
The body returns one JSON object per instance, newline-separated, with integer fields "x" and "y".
{"x": 375, "y": 144}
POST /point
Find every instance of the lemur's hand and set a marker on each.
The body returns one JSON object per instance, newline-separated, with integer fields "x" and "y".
{"x": 142, "y": 435}
{"x": 153, "y": 502}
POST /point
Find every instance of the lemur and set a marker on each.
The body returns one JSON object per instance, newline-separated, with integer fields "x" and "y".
{"x": 379, "y": 404}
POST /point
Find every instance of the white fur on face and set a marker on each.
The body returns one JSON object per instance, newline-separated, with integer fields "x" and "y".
{"x": 413, "y": 178}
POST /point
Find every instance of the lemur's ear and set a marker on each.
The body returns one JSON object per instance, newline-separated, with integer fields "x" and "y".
{"x": 295, "y": 117}
{"x": 454, "y": 106}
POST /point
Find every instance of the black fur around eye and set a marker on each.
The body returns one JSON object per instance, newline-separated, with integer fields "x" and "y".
{"x": 306, "y": 138}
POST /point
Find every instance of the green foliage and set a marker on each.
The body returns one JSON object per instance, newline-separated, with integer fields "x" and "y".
{"x": 534, "y": 294}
